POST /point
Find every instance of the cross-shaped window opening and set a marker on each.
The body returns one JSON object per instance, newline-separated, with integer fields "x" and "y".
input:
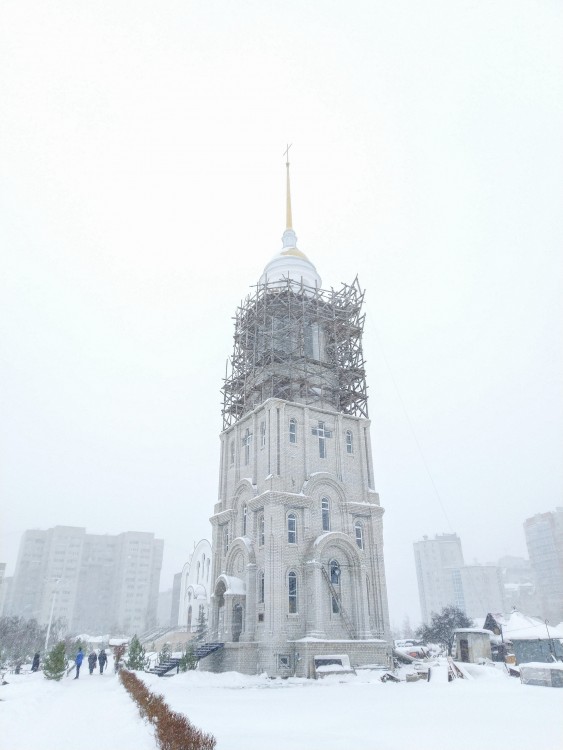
{"x": 322, "y": 433}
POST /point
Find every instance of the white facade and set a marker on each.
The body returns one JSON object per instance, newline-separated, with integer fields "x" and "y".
{"x": 195, "y": 587}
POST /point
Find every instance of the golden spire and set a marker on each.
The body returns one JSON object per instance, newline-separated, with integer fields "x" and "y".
{"x": 288, "y": 218}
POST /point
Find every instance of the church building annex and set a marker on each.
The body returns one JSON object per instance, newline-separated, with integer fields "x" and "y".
{"x": 297, "y": 567}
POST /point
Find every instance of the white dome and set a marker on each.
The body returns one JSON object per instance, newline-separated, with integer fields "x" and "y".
{"x": 291, "y": 263}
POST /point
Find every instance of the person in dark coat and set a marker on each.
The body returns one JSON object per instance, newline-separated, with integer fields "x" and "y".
{"x": 35, "y": 663}
{"x": 78, "y": 661}
{"x": 102, "y": 660}
{"x": 92, "y": 661}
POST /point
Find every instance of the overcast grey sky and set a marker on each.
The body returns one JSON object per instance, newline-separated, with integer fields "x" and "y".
{"x": 142, "y": 193}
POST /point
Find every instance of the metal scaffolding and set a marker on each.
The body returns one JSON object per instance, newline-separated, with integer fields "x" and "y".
{"x": 297, "y": 343}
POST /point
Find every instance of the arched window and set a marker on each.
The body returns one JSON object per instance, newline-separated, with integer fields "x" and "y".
{"x": 261, "y": 587}
{"x": 232, "y": 452}
{"x": 359, "y": 529}
{"x": 292, "y": 528}
{"x": 334, "y": 571}
{"x": 261, "y": 530}
{"x": 244, "y": 514}
{"x": 292, "y": 430}
{"x": 262, "y": 434}
{"x": 189, "y": 617}
{"x": 207, "y": 568}
{"x": 292, "y": 592}
{"x": 349, "y": 441}
{"x": 334, "y": 567}
{"x": 197, "y": 569}
{"x": 325, "y": 512}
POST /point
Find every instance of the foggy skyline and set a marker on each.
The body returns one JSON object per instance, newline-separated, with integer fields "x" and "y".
{"x": 142, "y": 194}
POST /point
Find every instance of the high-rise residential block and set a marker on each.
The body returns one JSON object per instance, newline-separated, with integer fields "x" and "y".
{"x": 435, "y": 561}
{"x": 96, "y": 583}
{"x": 544, "y": 538}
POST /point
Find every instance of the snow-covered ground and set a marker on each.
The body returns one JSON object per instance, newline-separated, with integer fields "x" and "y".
{"x": 251, "y": 713}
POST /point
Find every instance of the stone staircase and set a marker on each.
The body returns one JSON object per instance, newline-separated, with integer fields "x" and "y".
{"x": 165, "y": 666}
{"x": 205, "y": 649}
{"x": 200, "y": 652}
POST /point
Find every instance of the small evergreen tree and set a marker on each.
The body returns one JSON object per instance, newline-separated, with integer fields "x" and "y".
{"x": 54, "y": 666}
{"x": 201, "y": 627}
{"x": 136, "y": 658}
{"x": 443, "y": 626}
{"x": 164, "y": 653}
{"x": 188, "y": 660}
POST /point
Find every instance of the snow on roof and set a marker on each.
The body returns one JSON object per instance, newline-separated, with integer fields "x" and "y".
{"x": 92, "y": 638}
{"x": 557, "y": 665}
{"x": 234, "y": 585}
{"x": 320, "y": 538}
{"x": 472, "y": 630}
{"x": 519, "y": 627}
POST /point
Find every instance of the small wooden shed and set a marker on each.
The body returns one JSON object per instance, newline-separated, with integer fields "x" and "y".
{"x": 472, "y": 645}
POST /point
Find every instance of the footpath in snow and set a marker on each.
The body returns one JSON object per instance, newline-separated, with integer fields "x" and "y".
{"x": 91, "y": 713}
{"x": 488, "y": 710}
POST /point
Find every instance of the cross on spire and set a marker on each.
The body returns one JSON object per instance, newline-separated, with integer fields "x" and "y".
{"x": 286, "y": 153}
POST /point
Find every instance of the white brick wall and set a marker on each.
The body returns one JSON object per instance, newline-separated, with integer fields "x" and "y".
{"x": 264, "y": 474}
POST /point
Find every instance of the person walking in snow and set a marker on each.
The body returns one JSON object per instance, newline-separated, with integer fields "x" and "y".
{"x": 92, "y": 661}
{"x": 35, "y": 663}
{"x": 78, "y": 661}
{"x": 102, "y": 660}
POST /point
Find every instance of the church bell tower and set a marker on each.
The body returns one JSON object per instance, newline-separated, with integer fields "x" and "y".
{"x": 298, "y": 568}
